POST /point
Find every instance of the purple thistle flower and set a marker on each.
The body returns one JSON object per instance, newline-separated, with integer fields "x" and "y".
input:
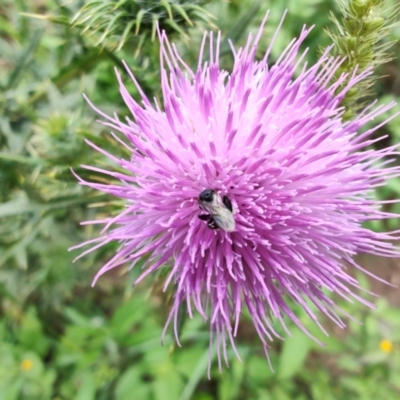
{"x": 271, "y": 139}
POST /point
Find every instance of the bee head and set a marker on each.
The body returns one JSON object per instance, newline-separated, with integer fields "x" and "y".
{"x": 207, "y": 195}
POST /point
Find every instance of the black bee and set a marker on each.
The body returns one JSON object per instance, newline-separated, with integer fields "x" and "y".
{"x": 219, "y": 210}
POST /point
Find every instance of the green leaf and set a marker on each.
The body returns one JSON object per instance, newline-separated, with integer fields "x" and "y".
{"x": 198, "y": 373}
{"x": 258, "y": 371}
{"x": 126, "y": 316}
{"x": 349, "y": 362}
{"x": 182, "y": 12}
{"x": 294, "y": 353}
{"x": 130, "y": 385}
{"x": 167, "y": 6}
{"x": 17, "y": 206}
{"x": 374, "y": 357}
{"x": 87, "y": 389}
{"x": 24, "y": 59}
{"x": 238, "y": 27}
{"x": 167, "y": 382}
{"x": 77, "y": 318}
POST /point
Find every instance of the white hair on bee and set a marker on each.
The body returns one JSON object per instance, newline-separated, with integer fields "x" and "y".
{"x": 219, "y": 209}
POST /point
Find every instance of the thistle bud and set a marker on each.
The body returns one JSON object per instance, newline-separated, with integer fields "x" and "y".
{"x": 373, "y": 24}
{"x": 353, "y": 26}
{"x": 359, "y": 8}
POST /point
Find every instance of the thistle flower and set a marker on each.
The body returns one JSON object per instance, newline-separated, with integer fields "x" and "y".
{"x": 270, "y": 142}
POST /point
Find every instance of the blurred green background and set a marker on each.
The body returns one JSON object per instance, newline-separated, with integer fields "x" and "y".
{"x": 60, "y": 338}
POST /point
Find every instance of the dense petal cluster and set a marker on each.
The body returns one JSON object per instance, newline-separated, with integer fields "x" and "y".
{"x": 271, "y": 139}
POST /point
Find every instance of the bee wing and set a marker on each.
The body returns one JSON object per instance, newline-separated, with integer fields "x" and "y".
{"x": 225, "y": 220}
{"x": 220, "y": 212}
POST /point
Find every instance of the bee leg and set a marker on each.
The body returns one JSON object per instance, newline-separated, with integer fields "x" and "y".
{"x": 212, "y": 225}
{"x": 210, "y": 221}
{"x": 227, "y": 202}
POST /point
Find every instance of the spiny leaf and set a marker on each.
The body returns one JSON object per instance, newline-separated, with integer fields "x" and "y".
{"x": 24, "y": 59}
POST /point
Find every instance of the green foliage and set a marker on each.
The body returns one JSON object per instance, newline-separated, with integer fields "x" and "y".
{"x": 99, "y": 356}
{"x": 60, "y": 338}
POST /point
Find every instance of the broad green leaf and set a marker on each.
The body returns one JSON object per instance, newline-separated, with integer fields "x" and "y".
{"x": 196, "y": 375}
{"x": 87, "y": 388}
{"x": 130, "y": 385}
{"x": 294, "y": 354}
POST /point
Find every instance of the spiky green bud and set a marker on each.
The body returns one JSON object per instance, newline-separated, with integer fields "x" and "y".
{"x": 112, "y": 23}
{"x": 352, "y": 26}
{"x": 374, "y": 23}
{"x": 359, "y": 8}
{"x": 358, "y": 38}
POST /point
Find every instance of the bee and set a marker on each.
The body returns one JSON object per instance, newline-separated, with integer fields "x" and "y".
{"x": 219, "y": 210}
